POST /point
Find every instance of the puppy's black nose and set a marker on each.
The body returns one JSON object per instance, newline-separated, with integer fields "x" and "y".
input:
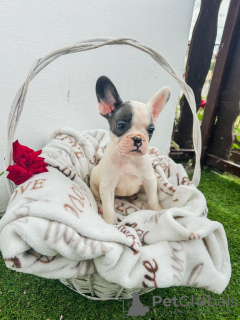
{"x": 137, "y": 141}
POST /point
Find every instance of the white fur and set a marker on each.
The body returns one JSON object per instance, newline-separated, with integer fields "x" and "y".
{"x": 123, "y": 175}
{"x": 119, "y": 173}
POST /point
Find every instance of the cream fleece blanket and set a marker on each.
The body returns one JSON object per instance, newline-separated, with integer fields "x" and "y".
{"x": 53, "y": 226}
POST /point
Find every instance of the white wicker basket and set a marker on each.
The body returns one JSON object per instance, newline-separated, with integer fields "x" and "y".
{"x": 95, "y": 287}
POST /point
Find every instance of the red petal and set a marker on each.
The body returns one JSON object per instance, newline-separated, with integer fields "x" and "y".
{"x": 37, "y": 164}
{"x": 39, "y": 169}
{"x": 16, "y": 150}
{"x": 22, "y": 163}
{"x": 34, "y": 156}
{"x": 26, "y": 149}
{"x": 17, "y": 170}
{"x": 27, "y": 164}
{"x": 26, "y": 155}
{"x": 18, "y": 174}
{"x": 41, "y": 158}
{"x": 19, "y": 150}
{"x": 38, "y": 152}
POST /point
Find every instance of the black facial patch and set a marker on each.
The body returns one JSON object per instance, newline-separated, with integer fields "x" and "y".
{"x": 151, "y": 125}
{"x": 149, "y": 130}
{"x": 123, "y": 115}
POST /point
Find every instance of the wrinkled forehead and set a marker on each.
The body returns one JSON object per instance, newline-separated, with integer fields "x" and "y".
{"x": 142, "y": 116}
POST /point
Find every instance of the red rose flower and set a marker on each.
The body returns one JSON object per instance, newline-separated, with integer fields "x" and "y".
{"x": 27, "y": 163}
{"x": 203, "y": 103}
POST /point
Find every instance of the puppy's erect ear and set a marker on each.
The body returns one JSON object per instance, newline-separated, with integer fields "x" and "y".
{"x": 158, "y": 102}
{"x": 107, "y": 95}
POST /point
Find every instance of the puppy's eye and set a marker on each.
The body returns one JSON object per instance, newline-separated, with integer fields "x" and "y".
{"x": 151, "y": 130}
{"x": 121, "y": 125}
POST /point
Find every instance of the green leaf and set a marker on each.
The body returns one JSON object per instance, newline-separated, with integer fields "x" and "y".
{"x": 1, "y": 173}
{"x": 236, "y": 146}
{"x": 200, "y": 114}
{"x": 238, "y": 138}
{"x": 175, "y": 145}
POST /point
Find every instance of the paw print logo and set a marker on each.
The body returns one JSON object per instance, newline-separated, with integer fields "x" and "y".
{"x": 201, "y": 301}
{"x": 137, "y": 308}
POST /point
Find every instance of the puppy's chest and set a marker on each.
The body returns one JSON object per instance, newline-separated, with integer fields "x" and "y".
{"x": 129, "y": 179}
{"x": 129, "y": 168}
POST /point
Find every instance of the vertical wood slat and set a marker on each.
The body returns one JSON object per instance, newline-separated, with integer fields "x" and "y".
{"x": 228, "y": 106}
{"x": 224, "y": 88}
{"x": 198, "y": 64}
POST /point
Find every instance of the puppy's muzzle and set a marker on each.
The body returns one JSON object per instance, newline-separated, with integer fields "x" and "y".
{"x": 133, "y": 144}
{"x": 137, "y": 142}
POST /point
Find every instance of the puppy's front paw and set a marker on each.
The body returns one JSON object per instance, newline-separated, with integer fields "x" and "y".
{"x": 109, "y": 216}
{"x": 110, "y": 220}
{"x": 159, "y": 207}
{"x": 156, "y": 207}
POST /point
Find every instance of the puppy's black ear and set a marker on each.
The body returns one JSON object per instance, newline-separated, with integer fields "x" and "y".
{"x": 107, "y": 95}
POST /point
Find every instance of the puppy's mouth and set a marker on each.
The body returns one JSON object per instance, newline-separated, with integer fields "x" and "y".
{"x": 137, "y": 142}
{"x": 134, "y": 145}
{"x": 136, "y": 150}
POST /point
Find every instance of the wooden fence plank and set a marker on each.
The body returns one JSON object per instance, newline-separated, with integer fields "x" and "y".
{"x": 229, "y": 104}
{"x": 226, "y": 96}
{"x": 198, "y": 63}
{"x": 223, "y": 165}
{"x": 182, "y": 154}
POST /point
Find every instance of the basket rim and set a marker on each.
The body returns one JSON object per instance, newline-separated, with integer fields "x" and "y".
{"x": 90, "y": 44}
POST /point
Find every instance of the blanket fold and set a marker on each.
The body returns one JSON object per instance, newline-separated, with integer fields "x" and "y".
{"x": 53, "y": 226}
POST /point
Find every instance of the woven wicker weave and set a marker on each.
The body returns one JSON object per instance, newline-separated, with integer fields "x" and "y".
{"x": 95, "y": 287}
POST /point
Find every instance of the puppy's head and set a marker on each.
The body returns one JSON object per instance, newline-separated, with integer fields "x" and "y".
{"x": 131, "y": 123}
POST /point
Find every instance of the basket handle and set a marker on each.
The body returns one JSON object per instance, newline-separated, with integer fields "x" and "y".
{"x": 85, "y": 45}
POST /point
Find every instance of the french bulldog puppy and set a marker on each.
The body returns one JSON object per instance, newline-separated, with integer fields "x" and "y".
{"x": 126, "y": 164}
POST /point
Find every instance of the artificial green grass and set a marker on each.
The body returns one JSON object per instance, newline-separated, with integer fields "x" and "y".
{"x": 28, "y": 297}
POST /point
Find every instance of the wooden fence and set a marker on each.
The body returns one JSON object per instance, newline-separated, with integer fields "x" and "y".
{"x": 223, "y": 101}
